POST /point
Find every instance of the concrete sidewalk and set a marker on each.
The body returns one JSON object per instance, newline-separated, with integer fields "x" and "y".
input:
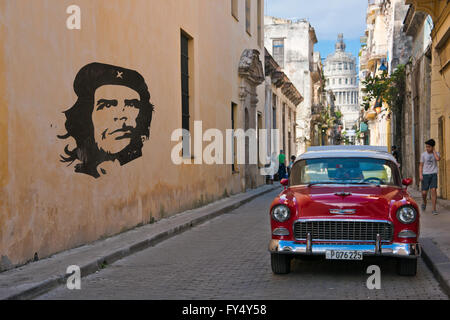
{"x": 435, "y": 238}
{"x": 33, "y": 279}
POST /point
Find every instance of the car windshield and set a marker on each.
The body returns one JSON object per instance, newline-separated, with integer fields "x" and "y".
{"x": 345, "y": 171}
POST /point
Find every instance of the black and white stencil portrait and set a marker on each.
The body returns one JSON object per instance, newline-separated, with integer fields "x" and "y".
{"x": 110, "y": 120}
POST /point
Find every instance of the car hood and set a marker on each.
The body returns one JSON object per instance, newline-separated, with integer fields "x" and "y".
{"x": 369, "y": 202}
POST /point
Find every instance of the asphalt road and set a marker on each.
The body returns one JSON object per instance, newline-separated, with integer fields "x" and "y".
{"x": 227, "y": 258}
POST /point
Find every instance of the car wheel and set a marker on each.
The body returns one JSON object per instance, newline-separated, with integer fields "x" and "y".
{"x": 407, "y": 267}
{"x": 281, "y": 263}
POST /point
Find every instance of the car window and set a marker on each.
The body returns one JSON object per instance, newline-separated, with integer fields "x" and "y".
{"x": 345, "y": 170}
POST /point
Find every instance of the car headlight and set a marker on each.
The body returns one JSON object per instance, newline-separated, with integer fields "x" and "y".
{"x": 281, "y": 213}
{"x": 406, "y": 214}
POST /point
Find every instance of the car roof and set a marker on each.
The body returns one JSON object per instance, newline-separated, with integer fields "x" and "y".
{"x": 374, "y": 152}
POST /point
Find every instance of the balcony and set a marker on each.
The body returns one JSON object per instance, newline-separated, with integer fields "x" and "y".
{"x": 378, "y": 51}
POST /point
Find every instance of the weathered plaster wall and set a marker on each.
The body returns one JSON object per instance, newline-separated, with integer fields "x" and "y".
{"x": 440, "y": 92}
{"x": 440, "y": 95}
{"x": 45, "y": 206}
{"x": 298, "y": 53}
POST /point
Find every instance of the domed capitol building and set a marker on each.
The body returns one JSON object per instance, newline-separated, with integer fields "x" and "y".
{"x": 341, "y": 77}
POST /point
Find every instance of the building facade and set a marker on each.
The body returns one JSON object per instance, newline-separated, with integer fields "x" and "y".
{"x": 282, "y": 100}
{"x": 373, "y": 62}
{"x": 415, "y": 34}
{"x": 76, "y": 167}
{"x": 342, "y": 78}
{"x": 416, "y": 120}
{"x": 439, "y": 12}
{"x": 291, "y": 43}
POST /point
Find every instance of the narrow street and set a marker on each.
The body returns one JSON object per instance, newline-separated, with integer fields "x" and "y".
{"x": 227, "y": 258}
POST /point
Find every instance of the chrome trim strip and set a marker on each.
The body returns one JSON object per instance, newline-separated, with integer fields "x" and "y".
{"x": 332, "y": 219}
{"x": 404, "y": 250}
{"x": 342, "y": 211}
{"x": 346, "y": 241}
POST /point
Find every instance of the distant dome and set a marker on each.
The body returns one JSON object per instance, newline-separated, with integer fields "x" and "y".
{"x": 341, "y": 78}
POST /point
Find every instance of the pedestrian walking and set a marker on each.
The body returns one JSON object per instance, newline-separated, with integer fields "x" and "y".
{"x": 282, "y": 165}
{"x": 428, "y": 170}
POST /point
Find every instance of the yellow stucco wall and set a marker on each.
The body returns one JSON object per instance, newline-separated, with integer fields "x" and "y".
{"x": 439, "y": 10}
{"x": 46, "y": 206}
{"x": 440, "y": 92}
{"x": 4, "y": 210}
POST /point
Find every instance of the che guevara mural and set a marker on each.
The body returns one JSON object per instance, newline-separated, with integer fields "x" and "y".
{"x": 110, "y": 120}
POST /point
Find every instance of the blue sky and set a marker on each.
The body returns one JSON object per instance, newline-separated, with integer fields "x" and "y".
{"x": 328, "y": 17}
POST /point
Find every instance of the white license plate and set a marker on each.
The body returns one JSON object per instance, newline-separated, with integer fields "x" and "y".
{"x": 343, "y": 255}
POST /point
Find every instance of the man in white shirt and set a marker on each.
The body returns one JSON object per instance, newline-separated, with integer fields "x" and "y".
{"x": 428, "y": 170}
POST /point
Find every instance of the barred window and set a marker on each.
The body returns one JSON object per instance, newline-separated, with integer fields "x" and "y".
{"x": 185, "y": 117}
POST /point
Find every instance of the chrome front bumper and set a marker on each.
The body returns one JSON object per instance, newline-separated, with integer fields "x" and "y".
{"x": 401, "y": 250}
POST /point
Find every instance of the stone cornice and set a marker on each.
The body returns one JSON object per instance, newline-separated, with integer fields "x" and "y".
{"x": 250, "y": 67}
{"x": 412, "y": 21}
{"x": 280, "y": 79}
{"x": 439, "y": 10}
{"x": 429, "y": 6}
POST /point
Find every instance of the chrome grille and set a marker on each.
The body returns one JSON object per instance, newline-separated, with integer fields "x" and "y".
{"x": 343, "y": 230}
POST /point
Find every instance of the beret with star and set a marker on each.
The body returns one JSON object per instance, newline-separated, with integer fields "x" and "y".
{"x": 95, "y": 75}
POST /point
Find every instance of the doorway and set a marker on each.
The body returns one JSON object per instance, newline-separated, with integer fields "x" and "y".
{"x": 442, "y": 164}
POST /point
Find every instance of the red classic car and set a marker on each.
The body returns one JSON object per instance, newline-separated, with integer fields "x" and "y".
{"x": 345, "y": 202}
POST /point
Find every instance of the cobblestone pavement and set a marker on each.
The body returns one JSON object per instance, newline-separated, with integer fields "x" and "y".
{"x": 227, "y": 258}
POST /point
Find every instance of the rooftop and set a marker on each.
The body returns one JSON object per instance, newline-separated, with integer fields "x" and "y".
{"x": 374, "y": 152}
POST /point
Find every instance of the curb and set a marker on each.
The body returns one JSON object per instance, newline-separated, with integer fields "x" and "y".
{"x": 434, "y": 258}
{"x": 438, "y": 263}
{"x": 37, "y": 289}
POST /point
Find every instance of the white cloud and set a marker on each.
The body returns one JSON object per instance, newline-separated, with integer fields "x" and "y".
{"x": 328, "y": 17}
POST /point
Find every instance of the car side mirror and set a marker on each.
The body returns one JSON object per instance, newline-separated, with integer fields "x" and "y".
{"x": 407, "y": 181}
{"x": 284, "y": 182}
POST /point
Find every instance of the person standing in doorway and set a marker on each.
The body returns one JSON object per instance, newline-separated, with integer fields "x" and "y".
{"x": 428, "y": 170}
{"x": 282, "y": 165}
{"x": 395, "y": 153}
{"x": 291, "y": 163}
